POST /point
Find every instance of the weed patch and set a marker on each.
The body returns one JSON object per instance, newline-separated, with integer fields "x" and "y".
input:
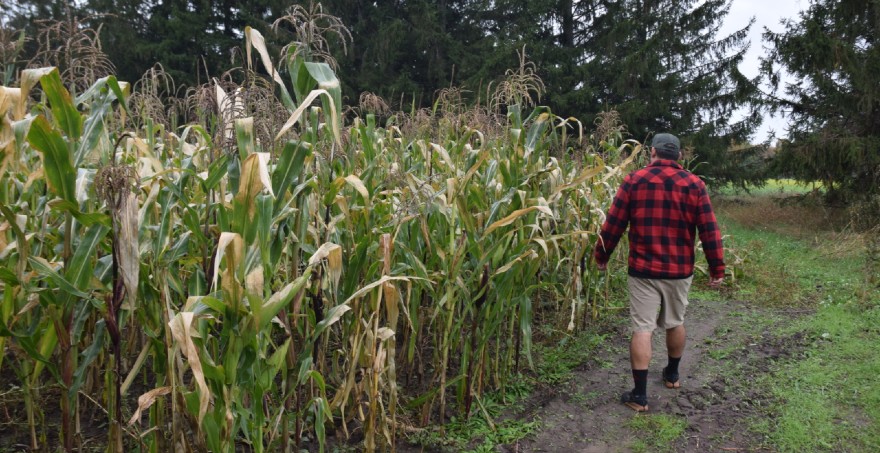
{"x": 476, "y": 434}
{"x": 556, "y": 361}
{"x": 656, "y": 432}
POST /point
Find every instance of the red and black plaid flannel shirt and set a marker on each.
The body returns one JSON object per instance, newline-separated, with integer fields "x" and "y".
{"x": 663, "y": 205}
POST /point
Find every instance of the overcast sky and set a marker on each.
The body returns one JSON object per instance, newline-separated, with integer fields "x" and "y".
{"x": 767, "y": 13}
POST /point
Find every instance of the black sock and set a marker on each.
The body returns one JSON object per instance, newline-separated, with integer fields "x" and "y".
{"x": 672, "y": 367}
{"x": 640, "y": 378}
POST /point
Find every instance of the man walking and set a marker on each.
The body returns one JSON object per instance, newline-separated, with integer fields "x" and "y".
{"x": 664, "y": 205}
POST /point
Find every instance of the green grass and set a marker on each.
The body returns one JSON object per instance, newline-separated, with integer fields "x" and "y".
{"x": 656, "y": 433}
{"x": 827, "y": 398}
{"x": 557, "y": 360}
{"x": 476, "y": 434}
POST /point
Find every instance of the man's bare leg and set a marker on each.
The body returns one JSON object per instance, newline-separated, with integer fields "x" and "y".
{"x": 675, "y": 342}
{"x": 640, "y": 358}
{"x": 640, "y": 350}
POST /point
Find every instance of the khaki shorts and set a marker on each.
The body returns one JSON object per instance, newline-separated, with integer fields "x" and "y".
{"x": 657, "y": 303}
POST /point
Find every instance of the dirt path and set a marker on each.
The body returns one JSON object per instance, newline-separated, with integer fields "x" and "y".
{"x": 724, "y": 352}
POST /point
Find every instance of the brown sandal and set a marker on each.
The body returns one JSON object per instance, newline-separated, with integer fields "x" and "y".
{"x": 671, "y": 381}
{"x": 636, "y": 403}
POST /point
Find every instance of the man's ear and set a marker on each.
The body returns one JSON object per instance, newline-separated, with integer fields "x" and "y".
{"x": 653, "y": 153}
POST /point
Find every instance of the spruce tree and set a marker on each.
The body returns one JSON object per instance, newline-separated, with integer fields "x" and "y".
{"x": 833, "y": 102}
{"x": 663, "y": 66}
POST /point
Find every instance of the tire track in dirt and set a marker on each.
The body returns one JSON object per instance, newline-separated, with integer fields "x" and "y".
{"x": 585, "y": 414}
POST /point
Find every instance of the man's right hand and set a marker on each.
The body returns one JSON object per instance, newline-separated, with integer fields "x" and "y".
{"x": 716, "y": 282}
{"x": 601, "y": 266}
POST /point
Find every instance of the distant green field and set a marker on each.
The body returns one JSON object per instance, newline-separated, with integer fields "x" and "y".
{"x": 776, "y": 186}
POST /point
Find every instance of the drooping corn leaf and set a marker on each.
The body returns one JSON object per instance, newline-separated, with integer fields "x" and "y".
{"x": 263, "y": 316}
{"x": 64, "y": 111}
{"x": 182, "y": 331}
{"x": 255, "y": 39}
{"x": 56, "y": 158}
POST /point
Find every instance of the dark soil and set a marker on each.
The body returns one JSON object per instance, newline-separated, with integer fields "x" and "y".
{"x": 724, "y": 358}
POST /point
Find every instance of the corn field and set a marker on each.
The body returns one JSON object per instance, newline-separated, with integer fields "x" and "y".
{"x": 280, "y": 266}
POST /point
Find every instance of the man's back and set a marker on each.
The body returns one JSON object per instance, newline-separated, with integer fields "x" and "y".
{"x": 664, "y": 205}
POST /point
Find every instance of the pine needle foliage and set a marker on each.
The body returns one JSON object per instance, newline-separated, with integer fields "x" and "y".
{"x": 833, "y": 106}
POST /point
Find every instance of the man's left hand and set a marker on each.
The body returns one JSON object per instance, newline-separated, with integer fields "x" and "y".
{"x": 715, "y": 282}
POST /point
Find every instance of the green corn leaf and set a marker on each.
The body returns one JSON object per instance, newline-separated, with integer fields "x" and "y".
{"x": 288, "y": 169}
{"x": 367, "y": 139}
{"x": 303, "y": 82}
{"x": 42, "y": 267}
{"x": 198, "y": 285}
{"x": 304, "y": 366}
{"x": 275, "y": 362}
{"x": 60, "y": 174}
{"x": 8, "y": 277}
{"x": 79, "y": 270}
{"x": 430, "y": 394}
{"x": 332, "y": 190}
{"x": 323, "y": 414}
{"x": 327, "y": 80}
{"x": 100, "y": 97}
{"x": 94, "y": 134}
{"x": 280, "y": 300}
{"x": 104, "y": 269}
{"x": 88, "y": 357}
{"x": 265, "y": 205}
{"x": 279, "y": 357}
{"x": 244, "y": 204}
{"x": 86, "y": 219}
{"x": 193, "y": 224}
{"x": 180, "y": 249}
{"x": 119, "y": 91}
{"x": 27, "y": 342}
{"x": 233, "y": 172}
{"x": 167, "y": 204}
{"x": 542, "y": 121}
{"x": 216, "y": 171}
{"x": 61, "y": 103}
{"x": 244, "y": 136}
{"x": 332, "y": 317}
{"x": 44, "y": 349}
{"x": 201, "y": 304}
{"x": 176, "y": 284}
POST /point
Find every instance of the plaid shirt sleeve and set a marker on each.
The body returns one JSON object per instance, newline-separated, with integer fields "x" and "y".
{"x": 615, "y": 224}
{"x": 710, "y": 235}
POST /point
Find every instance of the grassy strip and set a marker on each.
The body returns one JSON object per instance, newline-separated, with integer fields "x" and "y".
{"x": 829, "y": 400}
{"x": 792, "y": 259}
{"x": 826, "y": 399}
